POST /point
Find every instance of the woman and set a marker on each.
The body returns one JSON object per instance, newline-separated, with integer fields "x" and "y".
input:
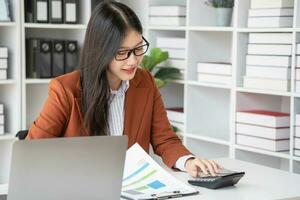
{"x": 110, "y": 95}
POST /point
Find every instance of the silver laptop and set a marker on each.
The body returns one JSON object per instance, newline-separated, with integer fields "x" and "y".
{"x": 67, "y": 168}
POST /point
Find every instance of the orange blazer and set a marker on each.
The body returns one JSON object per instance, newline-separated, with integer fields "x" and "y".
{"x": 145, "y": 116}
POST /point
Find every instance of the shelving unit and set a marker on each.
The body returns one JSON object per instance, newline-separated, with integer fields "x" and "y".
{"x": 209, "y": 109}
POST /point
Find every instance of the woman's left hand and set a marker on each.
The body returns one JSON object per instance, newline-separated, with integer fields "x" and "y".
{"x": 195, "y": 166}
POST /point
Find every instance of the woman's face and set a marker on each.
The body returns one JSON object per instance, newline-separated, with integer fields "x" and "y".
{"x": 125, "y": 69}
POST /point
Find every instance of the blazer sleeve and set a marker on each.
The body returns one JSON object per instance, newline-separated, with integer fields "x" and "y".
{"x": 54, "y": 115}
{"x": 164, "y": 141}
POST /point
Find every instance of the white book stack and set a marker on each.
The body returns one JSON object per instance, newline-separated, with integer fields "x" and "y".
{"x": 297, "y": 135}
{"x": 167, "y": 15}
{"x": 1, "y": 119}
{"x": 271, "y": 13}
{"x": 268, "y": 63}
{"x": 176, "y": 47}
{"x": 3, "y": 62}
{"x": 263, "y": 129}
{"x": 215, "y": 72}
{"x": 297, "y": 75}
{"x": 176, "y": 117}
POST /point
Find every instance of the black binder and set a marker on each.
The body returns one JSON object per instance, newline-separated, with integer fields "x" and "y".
{"x": 31, "y": 51}
{"x": 41, "y": 11}
{"x": 56, "y": 11}
{"x": 43, "y": 59}
{"x": 29, "y": 13}
{"x": 71, "y": 11}
{"x": 71, "y": 56}
{"x": 58, "y": 58}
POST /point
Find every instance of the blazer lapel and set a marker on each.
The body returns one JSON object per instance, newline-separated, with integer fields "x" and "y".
{"x": 135, "y": 101}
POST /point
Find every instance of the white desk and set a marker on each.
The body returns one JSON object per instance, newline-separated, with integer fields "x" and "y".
{"x": 259, "y": 182}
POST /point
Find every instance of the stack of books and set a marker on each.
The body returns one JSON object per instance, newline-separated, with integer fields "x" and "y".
{"x": 167, "y": 15}
{"x": 263, "y": 129}
{"x": 1, "y": 119}
{"x": 297, "y": 136}
{"x": 215, "y": 72}
{"x": 176, "y": 47}
{"x": 176, "y": 117}
{"x": 268, "y": 62}
{"x": 3, "y": 62}
{"x": 271, "y": 13}
{"x": 297, "y": 76}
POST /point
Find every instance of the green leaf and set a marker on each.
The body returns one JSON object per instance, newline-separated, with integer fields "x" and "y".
{"x": 175, "y": 129}
{"x": 167, "y": 73}
{"x": 160, "y": 83}
{"x": 155, "y": 57}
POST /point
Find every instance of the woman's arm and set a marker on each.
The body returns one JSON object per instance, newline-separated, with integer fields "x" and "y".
{"x": 53, "y": 118}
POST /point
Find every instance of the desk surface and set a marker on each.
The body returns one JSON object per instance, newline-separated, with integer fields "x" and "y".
{"x": 259, "y": 182}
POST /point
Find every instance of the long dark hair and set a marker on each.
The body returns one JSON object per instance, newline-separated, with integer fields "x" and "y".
{"x": 105, "y": 32}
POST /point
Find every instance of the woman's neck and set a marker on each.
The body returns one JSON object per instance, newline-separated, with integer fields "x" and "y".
{"x": 114, "y": 82}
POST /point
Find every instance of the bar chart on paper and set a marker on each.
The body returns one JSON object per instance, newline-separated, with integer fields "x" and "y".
{"x": 143, "y": 178}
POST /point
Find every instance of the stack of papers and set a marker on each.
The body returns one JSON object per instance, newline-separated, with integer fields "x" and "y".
{"x": 143, "y": 178}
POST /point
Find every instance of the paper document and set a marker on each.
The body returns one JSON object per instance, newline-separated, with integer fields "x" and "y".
{"x": 143, "y": 178}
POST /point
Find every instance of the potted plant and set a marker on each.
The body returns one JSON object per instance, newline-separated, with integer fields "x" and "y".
{"x": 223, "y": 9}
{"x": 162, "y": 75}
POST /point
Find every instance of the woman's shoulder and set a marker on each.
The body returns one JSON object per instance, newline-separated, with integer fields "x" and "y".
{"x": 69, "y": 82}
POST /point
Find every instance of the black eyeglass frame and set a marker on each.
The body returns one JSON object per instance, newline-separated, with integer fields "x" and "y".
{"x": 133, "y": 50}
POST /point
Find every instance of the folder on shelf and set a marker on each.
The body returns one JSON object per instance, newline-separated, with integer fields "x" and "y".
{"x": 3, "y": 74}
{"x": 167, "y": 11}
{"x": 29, "y": 10}
{"x": 214, "y": 68}
{"x": 31, "y": 52}
{"x": 298, "y": 49}
{"x": 272, "y": 4}
{"x": 56, "y": 11}
{"x": 4, "y": 11}
{"x": 71, "y": 56}
{"x": 262, "y": 60}
{"x": 270, "y": 22}
{"x": 267, "y": 83}
{"x": 3, "y": 52}
{"x": 58, "y": 54}
{"x": 41, "y": 8}
{"x": 175, "y": 53}
{"x": 268, "y": 72}
{"x": 177, "y": 63}
{"x": 271, "y": 12}
{"x": 297, "y": 143}
{"x": 171, "y": 42}
{"x": 71, "y": 11}
{"x": 3, "y": 63}
{"x": 167, "y": 21}
{"x": 43, "y": 59}
{"x": 1, "y": 129}
{"x": 1, "y": 109}
{"x": 1, "y": 119}
{"x": 270, "y": 38}
{"x": 270, "y": 49}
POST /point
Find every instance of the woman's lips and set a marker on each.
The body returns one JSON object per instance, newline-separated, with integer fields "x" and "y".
{"x": 129, "y": 70}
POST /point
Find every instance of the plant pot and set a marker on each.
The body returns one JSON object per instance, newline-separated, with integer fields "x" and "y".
{"x": 224, "y": 16}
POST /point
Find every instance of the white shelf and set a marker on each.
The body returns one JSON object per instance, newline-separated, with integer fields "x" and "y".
{"x": 207, "y": 139}
{"x": 55, "y": 26}
{"x": 7, "y": 82}
{"x": 7, "y": 136}
{"x": 171, "y": 28}
{"x": 204, "y": 84}
{"x": 285, "y": 155}
{"x": 210, "y": 28}
{"x": 249, "y": 30}
{"x": 37, "y": 81}
{"x": 7, "y": 24}
{"x": 258, "y": 91}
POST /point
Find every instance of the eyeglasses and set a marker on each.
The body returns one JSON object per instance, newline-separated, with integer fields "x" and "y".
{"x": 137, "y": 51}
